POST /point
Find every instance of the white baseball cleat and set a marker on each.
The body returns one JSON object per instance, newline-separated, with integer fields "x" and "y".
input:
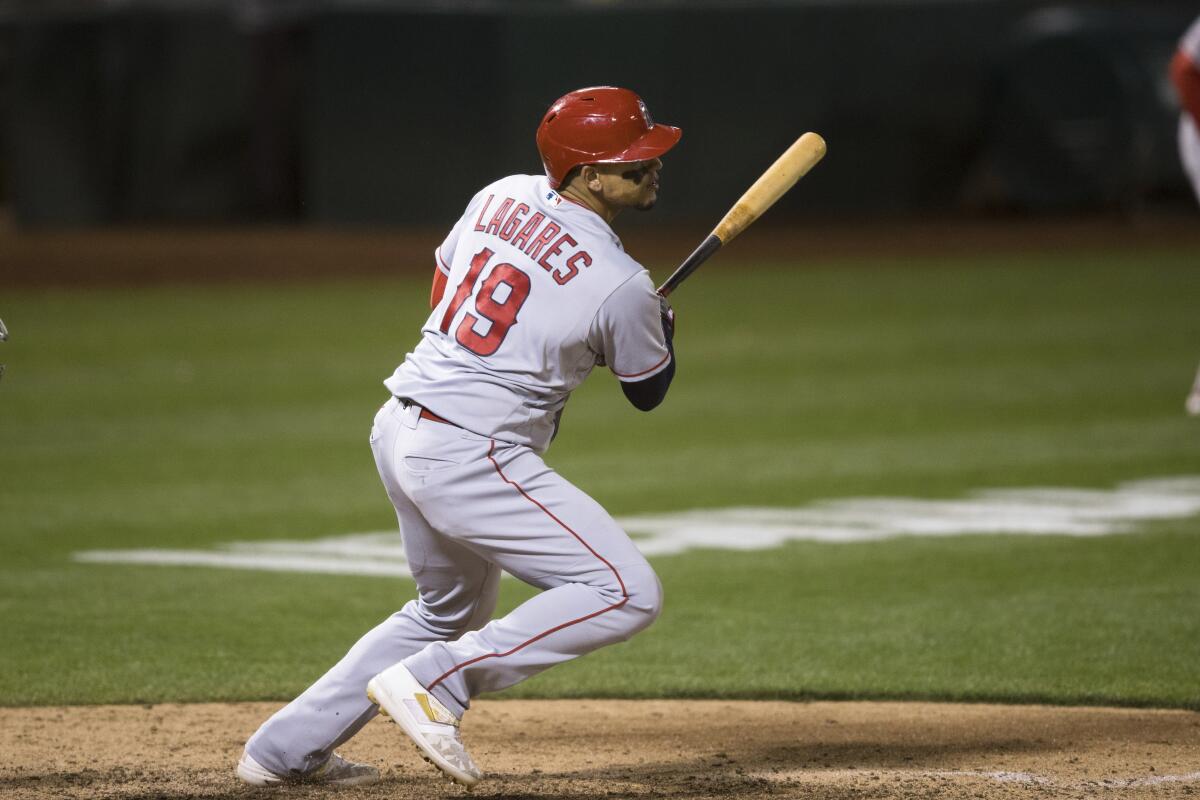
{"x": 337, "y": 771}
{"x": 431, "y": 726}
{"x": 1193, "y": 400}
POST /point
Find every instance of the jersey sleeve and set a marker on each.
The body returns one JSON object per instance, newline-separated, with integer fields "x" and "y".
{"x": 443, "y": 254}
{"x": 627, "y": 331}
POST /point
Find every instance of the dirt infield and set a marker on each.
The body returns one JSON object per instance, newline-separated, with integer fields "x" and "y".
{"x": 628, "y": 748}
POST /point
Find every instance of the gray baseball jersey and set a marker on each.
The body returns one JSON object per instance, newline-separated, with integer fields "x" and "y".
{"x": 539, "y": 292}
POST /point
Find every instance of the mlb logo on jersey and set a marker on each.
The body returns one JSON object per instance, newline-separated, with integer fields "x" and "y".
{"x": 553, "y": 198}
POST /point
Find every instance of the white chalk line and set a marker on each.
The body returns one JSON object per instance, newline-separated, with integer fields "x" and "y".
{"x": 999, "y": 776}
{"x": 1033, "y": 511}
{"x": 1153, "y": 780}
{"x": 1041, "y": 780}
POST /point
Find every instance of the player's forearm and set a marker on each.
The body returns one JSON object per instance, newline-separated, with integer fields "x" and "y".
{"x": 1186, "y": 76}
{"x": 648, "y": 394}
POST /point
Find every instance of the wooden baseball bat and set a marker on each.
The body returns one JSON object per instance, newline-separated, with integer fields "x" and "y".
{"x": 790, "y": 167}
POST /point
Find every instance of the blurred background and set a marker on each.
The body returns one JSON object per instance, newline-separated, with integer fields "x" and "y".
{"x": 340, "y": 113}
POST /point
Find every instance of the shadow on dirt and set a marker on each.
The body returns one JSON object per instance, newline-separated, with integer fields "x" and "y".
{"x": 775, "y": 771}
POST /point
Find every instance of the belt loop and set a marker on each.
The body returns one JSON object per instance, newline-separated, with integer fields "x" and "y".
{"x": 408, "y": 412}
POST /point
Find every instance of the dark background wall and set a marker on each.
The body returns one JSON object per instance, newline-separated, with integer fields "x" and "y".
{"x": 393, "y": 114}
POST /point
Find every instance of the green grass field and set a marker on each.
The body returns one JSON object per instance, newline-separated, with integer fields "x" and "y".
{"x": 187, "y": 416}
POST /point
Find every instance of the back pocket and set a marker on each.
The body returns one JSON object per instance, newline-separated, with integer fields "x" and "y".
{"x": 426, "y": 464}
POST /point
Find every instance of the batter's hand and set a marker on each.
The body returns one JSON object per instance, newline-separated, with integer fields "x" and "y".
{"x": 668, "y": 317}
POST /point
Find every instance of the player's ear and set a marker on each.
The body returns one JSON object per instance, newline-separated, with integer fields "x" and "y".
{"x": 591, "y": 178}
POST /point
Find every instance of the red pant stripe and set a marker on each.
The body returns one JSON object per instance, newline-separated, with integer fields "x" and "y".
{"x": 542, "y": 635}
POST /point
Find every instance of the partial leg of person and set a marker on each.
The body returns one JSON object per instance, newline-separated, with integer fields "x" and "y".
{"x": 457, "y": 592}
{"x": 1189, "y": 153}
{"x": 1189, "y": 150}
{"x": 1193, "y": 399}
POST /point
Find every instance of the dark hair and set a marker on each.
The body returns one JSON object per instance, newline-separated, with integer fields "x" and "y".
{"x": 570, "y": 176}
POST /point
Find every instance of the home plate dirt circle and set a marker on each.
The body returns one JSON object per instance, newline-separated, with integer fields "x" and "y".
{"x": 637, "y": 748}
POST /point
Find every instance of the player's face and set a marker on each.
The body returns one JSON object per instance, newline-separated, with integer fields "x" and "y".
{"x": 631, "y": 185}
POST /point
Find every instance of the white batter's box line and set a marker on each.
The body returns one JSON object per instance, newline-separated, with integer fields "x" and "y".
{"x": 1006, "y": 777}
{"x": 379, "y": 553}
{"x": 1033, "y": 511}
{"x": 1097, "y": 784}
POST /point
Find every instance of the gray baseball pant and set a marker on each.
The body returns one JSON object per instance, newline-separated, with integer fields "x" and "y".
{"x": 469, "y": 507}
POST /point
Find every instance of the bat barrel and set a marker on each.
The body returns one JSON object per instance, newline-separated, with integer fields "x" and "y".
{"x": 795, "y": 162}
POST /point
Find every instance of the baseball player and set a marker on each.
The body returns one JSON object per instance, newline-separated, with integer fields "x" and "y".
{"x": 532, "y": 289}
{"x": 1185, "y": 74}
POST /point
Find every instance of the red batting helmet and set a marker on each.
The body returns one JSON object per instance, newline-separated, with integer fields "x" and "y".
{"x": 599, "y": 125}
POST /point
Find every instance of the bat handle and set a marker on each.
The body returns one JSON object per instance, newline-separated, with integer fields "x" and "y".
{"x": 690, "y": 264}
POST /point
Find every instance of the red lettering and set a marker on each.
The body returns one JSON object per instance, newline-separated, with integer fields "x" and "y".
{"x": 482, "y": 211}
{"x": 521, "y": 239}
{"x": 514, "y": 219}
{"x": 555, "y": 249}
{"x": 498, "y": 219}
{"x": 502, "y": 315}
{"x": 542, "y": 239}
{"x": 465, "y": 288}
{"x": 585, "y": 260}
